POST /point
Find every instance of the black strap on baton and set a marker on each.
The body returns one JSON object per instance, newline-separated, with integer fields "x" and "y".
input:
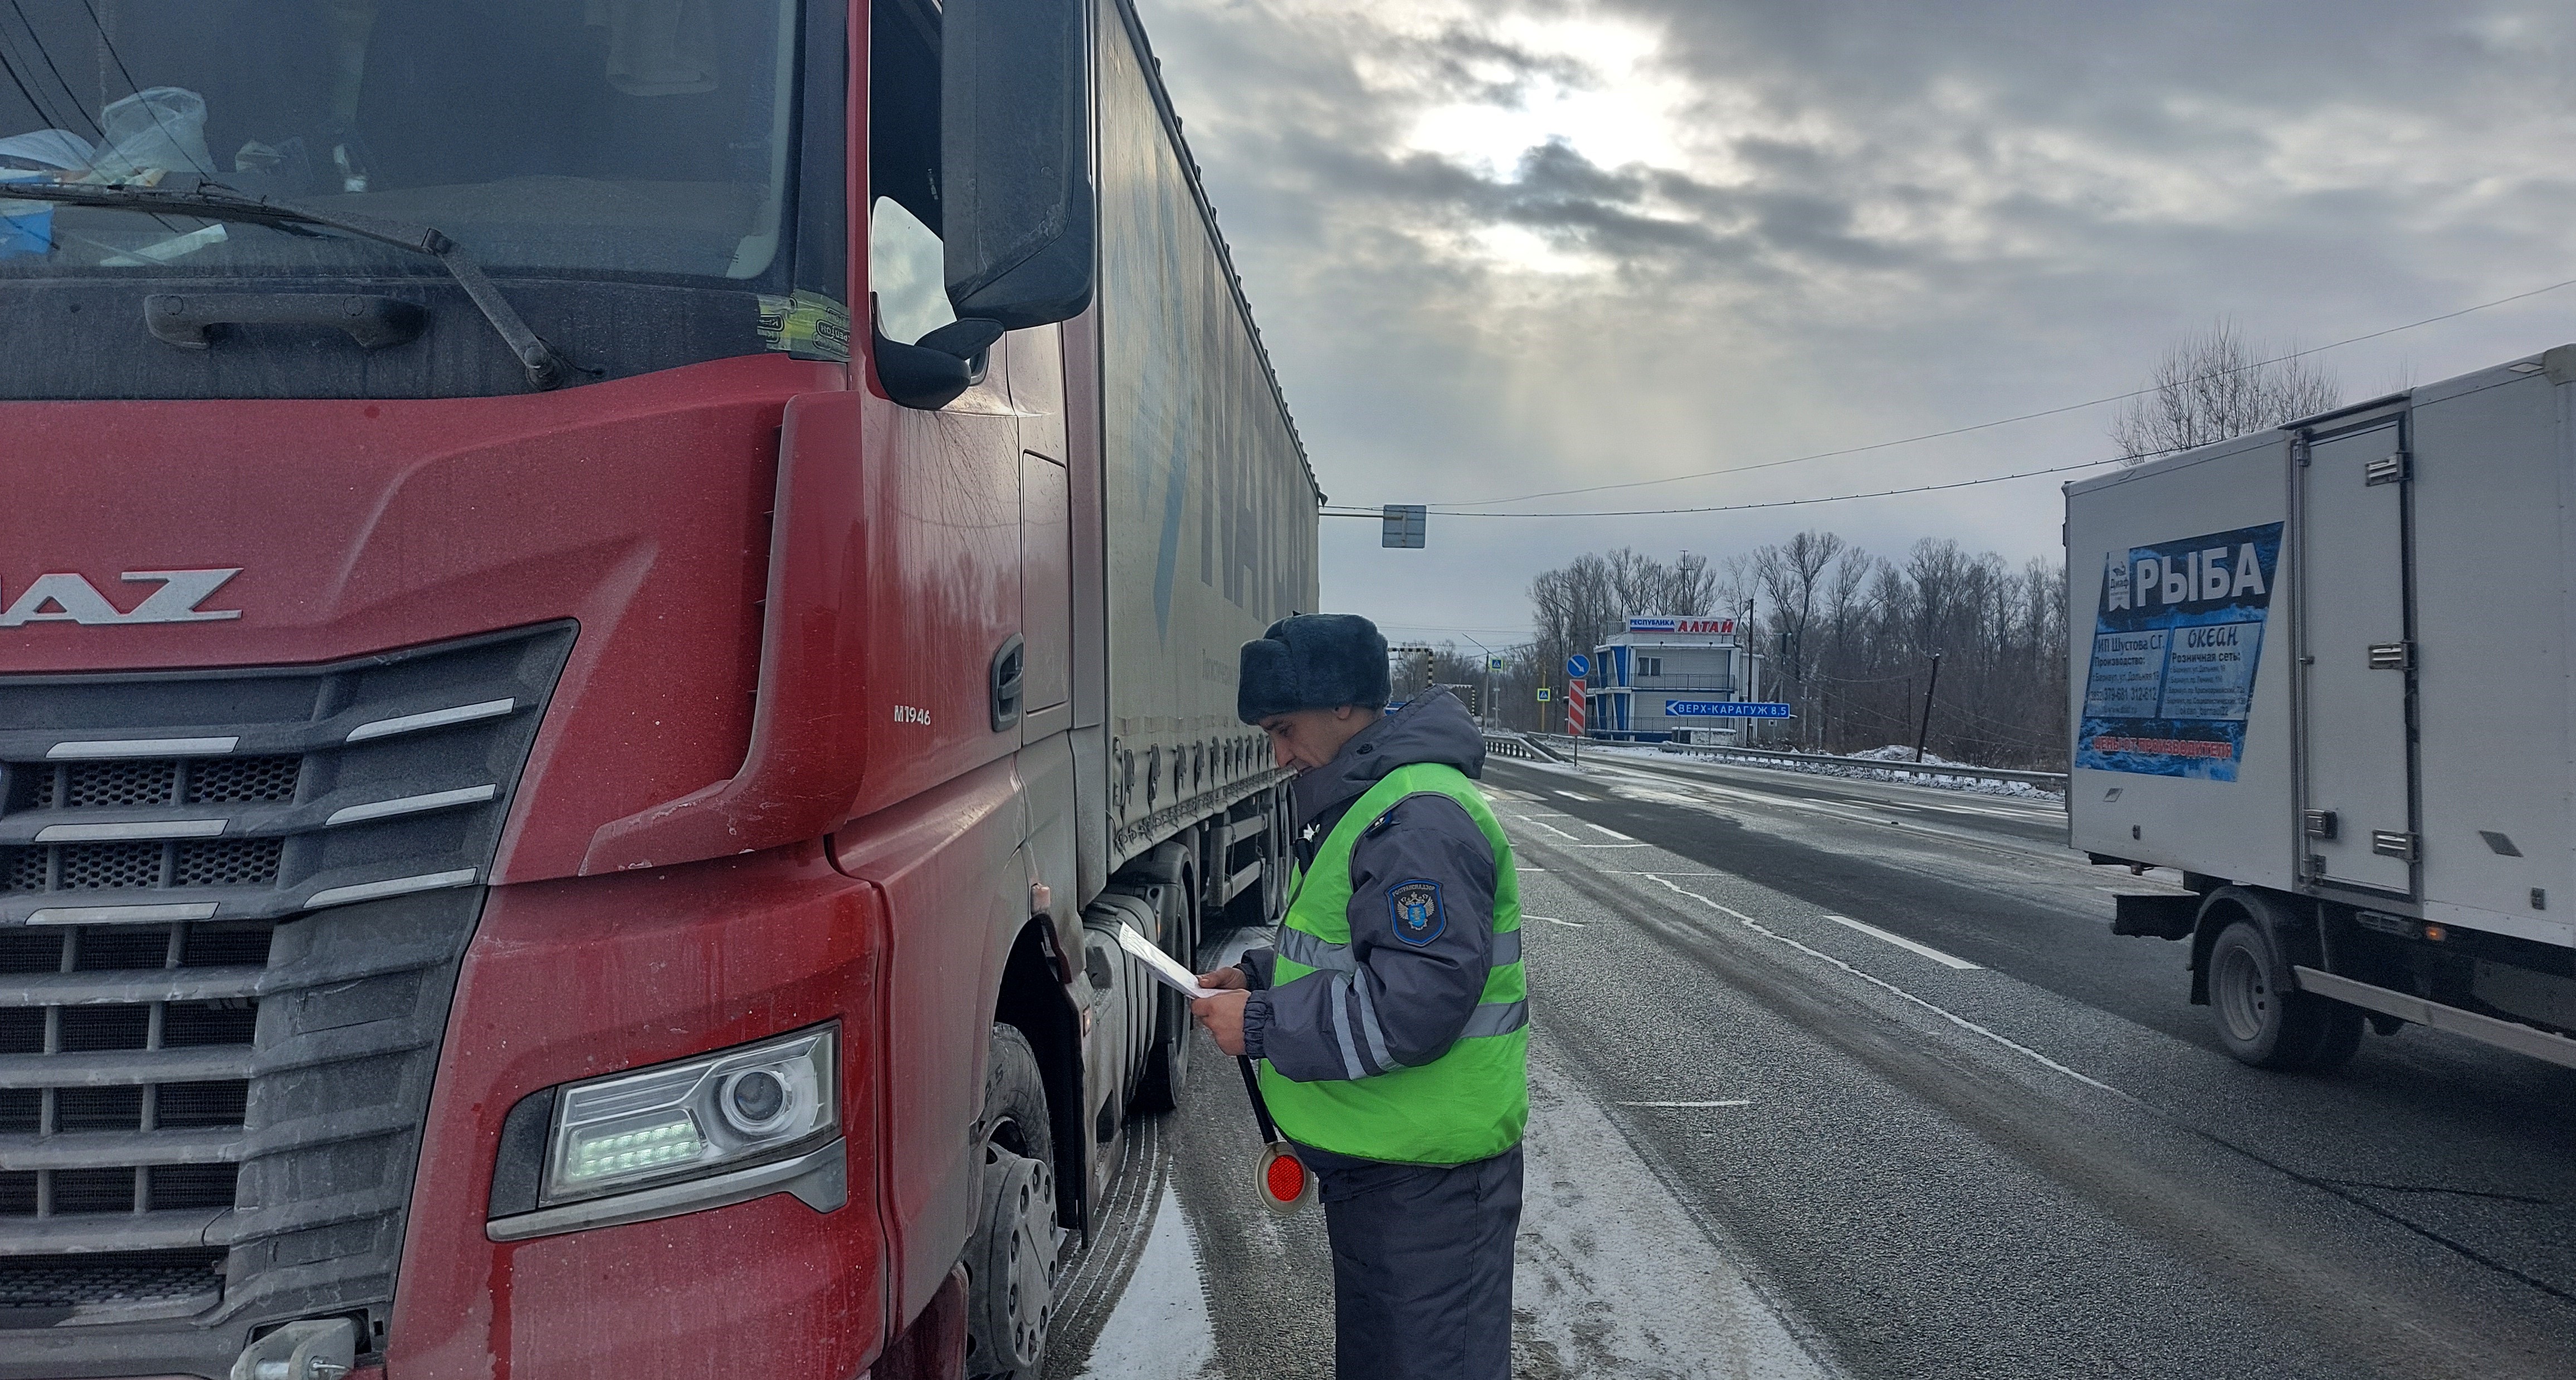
{"x": 1260, "y": 1108}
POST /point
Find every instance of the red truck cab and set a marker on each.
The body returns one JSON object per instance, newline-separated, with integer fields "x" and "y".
{"x": 532, "y": 719}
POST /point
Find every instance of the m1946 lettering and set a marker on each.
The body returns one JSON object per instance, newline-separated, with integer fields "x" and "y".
{"x": 906, "y": 714}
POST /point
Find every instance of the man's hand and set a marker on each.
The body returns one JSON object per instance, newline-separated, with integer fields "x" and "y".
{"x": 1222, "y": 1014}
{"x": 1225, "y": 980}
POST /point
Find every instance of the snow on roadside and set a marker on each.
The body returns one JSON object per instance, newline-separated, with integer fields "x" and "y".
{"x": 1160, "y": 1327}
{"x": 1900, "y": 770}
{"x": 1615, "y": 1278}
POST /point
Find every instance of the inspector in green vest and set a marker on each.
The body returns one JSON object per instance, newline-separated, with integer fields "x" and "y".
{"x": 1472, "y": 1101}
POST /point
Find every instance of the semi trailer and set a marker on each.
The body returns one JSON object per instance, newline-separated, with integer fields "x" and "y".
{"x": 601, "y": 604}
{"x": 2326, "y": 679}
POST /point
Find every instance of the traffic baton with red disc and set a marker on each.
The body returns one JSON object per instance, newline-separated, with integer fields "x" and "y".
{"x": 1286, "y": 1183}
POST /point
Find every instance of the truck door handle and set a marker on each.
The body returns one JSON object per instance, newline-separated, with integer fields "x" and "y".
{"x": 188, "y": 320}
{"x": 1009, "y": 667}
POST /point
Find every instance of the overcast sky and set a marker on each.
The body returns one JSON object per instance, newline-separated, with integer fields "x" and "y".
{"x": 1500, "y": 247}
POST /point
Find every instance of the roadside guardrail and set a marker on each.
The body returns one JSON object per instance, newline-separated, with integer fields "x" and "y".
{"x": 1557, "y": 746}
{"x": 1520, "y": 745}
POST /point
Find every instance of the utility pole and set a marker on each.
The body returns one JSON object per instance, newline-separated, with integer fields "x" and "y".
{"x": 1486, "y": 700}
{"x": 1924, "y": 733}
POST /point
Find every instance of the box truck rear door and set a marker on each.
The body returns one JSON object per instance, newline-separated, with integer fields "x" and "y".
{"x": 2358, "y": 819}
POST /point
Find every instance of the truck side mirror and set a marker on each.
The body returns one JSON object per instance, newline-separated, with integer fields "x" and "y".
{"x": 1015, "y": 143}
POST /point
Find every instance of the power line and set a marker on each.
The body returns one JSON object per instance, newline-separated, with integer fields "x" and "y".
{"x": 2008, "y": 421}
{"x": 1771, "y": 503}
{"x": 47, "y": 58}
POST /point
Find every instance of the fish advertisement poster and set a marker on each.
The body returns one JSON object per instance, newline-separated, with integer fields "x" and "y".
{"x": 2177, "y": 640}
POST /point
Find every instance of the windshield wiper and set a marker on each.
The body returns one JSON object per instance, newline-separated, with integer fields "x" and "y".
{"x": 213, "y": 201}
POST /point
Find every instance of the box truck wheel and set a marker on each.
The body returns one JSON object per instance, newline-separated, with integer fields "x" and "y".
{"x": 1011, "y": 1259}
{"x": 2265, "y": 1021}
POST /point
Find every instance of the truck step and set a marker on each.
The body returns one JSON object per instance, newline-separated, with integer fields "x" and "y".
{"x": 2521, "y": 1039}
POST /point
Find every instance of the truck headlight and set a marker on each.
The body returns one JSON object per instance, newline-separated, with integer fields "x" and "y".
{"x": 692, "y": 1118}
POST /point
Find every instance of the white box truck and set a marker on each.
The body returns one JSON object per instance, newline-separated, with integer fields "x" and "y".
{"x": 2326, "y": 677}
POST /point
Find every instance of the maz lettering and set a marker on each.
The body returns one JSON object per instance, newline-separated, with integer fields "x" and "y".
{"x": 65, "y": 598}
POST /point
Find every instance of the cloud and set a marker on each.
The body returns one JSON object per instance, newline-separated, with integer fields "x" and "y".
{"x": 1501, "y": 246}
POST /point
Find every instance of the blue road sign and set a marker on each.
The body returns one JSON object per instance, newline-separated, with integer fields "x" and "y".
{"x": 1578, "y": 665}
{"x": 1493, "y": 663}
{"x": 1724, "y": 709}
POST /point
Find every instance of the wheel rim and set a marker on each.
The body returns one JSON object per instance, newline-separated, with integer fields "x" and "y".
{"x": 1014, "y": 1269}
{"x": 2244, "y": 994}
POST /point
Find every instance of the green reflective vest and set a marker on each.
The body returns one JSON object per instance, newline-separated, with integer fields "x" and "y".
{"x": 1472, "y": 1101}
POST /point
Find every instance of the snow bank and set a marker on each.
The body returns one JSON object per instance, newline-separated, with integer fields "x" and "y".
{"x": 1892, "y": 754}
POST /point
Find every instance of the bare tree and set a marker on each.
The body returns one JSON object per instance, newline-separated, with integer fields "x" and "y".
{"x": 2216, "y": 384}
{"x": 1790, "y": 576}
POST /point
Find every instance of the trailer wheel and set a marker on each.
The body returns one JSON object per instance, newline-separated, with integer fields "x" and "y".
{"x": 1011, "y": 1259}
{"x": 1167, "y": 1065}
{"x": 2262, "y": 1019}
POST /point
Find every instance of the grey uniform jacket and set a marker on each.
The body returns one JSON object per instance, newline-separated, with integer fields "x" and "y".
{"x": 1418, "y": 978}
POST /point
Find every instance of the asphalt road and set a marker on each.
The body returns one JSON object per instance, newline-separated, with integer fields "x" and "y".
{"x": 1834, "y": 1077}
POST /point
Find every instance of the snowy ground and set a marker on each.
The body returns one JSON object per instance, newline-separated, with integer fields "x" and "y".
{"x": 1613, "y": 1277}
{"x": 1907, "y": 773}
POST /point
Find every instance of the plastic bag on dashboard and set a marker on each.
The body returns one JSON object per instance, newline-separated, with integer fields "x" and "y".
{"x": 160, "y": 129}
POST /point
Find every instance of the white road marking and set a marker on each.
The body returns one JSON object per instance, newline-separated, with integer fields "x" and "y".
{"x": 1569, "y": 924}
{"x": 1599, "y": 830}
{"x": 1611, "y": 845}
{"x": 1726, "y": 1102}
{"x": 1944, "y": 1013}
{"x": 1543, "y": 824}
{"x": 1900, "y": 941}
{"x": 1572, "y": 796}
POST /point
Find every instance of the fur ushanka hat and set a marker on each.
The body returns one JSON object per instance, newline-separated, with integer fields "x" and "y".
{"x": 1312, "y": 661}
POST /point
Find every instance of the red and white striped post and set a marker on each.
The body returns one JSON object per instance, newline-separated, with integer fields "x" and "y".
{"x": 1574, "y": 708}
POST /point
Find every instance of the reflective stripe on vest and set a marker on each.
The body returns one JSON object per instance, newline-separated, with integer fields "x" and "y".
{"x": 1297, "y": 946}
{"x": 1472, "y": 1101}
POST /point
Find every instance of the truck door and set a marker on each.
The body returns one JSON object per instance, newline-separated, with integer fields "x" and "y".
{"x": 2357, "y": 805}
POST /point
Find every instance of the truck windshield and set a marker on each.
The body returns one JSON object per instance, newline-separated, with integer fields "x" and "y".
{"x": 588, "y": 138}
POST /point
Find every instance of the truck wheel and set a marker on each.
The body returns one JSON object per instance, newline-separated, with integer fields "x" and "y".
{"x": 1167, "y": 1066}
{"x": 2261, "y": 1019}
{"x": 1010, "y": 1260}
{"x": 2338, "y": 1035}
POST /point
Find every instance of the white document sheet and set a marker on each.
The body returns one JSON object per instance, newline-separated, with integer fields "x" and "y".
{"x": 1172, "y": 974}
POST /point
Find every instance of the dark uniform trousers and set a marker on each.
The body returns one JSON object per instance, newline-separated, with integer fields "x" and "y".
{"x": 1422, "y": 1266}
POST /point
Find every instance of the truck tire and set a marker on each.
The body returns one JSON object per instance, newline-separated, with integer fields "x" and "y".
{"x": 1011, "y": 1258}
{"x": 1167, "y": 1064}
{"x": 2338, "y": 1035}
{"x": 2262, "y": 1019}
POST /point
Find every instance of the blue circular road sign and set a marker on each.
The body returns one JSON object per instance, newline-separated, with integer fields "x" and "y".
{"x": 1578, "y": 665}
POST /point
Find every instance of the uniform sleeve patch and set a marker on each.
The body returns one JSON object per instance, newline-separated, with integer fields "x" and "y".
{"x": 1415, "y": 906}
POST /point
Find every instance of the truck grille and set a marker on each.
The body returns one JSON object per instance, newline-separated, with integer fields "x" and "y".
{"x": 231, "y": 909}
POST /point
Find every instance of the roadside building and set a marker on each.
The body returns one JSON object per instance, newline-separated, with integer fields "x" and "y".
{"x": 1650, "y": 684}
